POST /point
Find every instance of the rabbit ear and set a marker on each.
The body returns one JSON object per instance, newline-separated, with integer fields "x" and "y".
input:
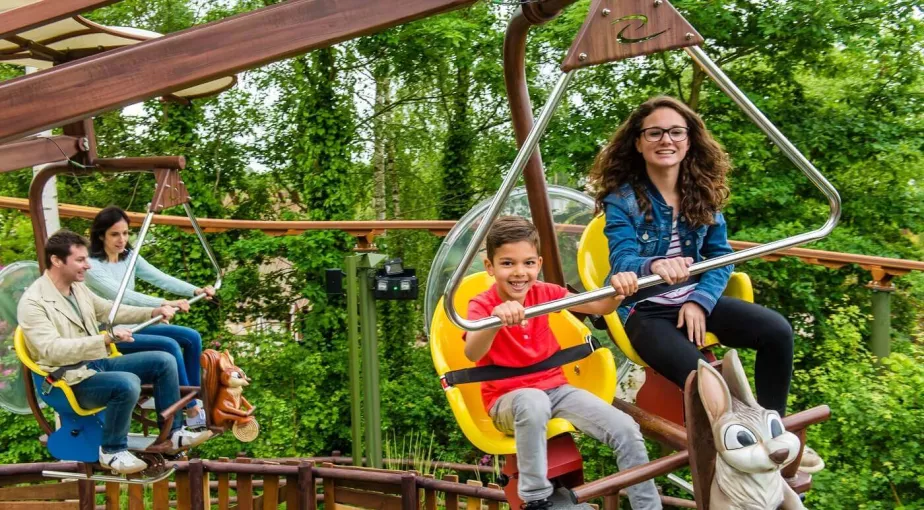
{"x": 736, "y": 380}
{"x": 712, "y": 391}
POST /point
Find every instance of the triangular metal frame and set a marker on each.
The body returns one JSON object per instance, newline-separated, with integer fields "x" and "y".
{"x": 532, "y": 141}
{"x": 169, "y": 190}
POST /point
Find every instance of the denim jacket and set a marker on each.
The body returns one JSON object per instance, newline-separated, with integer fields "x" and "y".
{"x": 635, "y": 243}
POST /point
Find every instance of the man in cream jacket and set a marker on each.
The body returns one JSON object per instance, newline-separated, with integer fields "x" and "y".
{"x": 60, "y": 317}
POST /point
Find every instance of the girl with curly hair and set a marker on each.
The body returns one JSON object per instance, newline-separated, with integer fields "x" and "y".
{"x": 661, "y": 181}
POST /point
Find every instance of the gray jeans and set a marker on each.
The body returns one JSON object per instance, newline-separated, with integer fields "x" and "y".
{"x": 525, "y": 414}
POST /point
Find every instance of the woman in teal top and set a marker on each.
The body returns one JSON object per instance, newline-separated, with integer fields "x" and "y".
{"x": 110, "y": 249}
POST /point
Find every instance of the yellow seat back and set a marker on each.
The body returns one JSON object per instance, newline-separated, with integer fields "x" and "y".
{"x": 594, "y": 265}
{"x": 22, "y": 352}
{"x": 596, "y": 373}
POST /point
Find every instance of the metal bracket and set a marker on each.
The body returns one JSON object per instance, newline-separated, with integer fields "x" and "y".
{"x": 620, "y": 29}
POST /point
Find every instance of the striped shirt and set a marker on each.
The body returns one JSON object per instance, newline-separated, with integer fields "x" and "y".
{"x": 675, "y": 297}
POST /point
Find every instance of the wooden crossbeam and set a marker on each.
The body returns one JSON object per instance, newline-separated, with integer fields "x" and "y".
{"x": 157, "y": 67}
{"x": 29, "y": 16}
{"x": 38, "y": 150}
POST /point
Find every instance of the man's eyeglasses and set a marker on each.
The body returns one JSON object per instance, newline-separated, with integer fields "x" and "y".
{"x": 655, "y": 134}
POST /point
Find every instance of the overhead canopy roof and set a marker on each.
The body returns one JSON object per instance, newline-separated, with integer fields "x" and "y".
{"x": 77, "y": 37}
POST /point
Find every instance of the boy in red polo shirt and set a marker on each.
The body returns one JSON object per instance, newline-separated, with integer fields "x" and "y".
{"x": 522, "y": 406}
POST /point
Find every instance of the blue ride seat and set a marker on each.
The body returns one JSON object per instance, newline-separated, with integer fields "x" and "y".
{"x": 81, "y": 432}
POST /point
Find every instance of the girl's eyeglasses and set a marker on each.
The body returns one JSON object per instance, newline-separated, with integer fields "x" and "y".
{"x": 655, "y": 134}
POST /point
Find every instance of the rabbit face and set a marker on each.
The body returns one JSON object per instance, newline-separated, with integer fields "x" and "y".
{"x": 753, "y": 440}
{"x": 748, "y": 437}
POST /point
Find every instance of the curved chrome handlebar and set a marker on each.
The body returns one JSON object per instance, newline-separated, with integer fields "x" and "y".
{"x": 145, "y": 226}
{"x": 532, "y": 141}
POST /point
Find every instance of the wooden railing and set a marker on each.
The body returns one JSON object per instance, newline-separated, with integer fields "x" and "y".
{"x": 304, "y": 483}
{"x": 252, "y": 484}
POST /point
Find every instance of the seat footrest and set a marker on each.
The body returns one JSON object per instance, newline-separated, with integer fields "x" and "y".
{"x": 565, "y": 467}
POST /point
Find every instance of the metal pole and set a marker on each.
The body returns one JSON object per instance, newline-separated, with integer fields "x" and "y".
{"x": 208, "y": 251}
{"x": 882, "y": 322}
{"x": 510, "y": 180}
{"x": 50, "y": 191}
{"x": 131, "y": 267}
{"x": 370, "y": 350}
{"x": 756, "y": 116}
{"x": 352, "y": 303}
{"x": 205, "y": 244}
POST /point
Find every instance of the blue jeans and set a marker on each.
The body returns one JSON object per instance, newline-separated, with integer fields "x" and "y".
{"x": 117, "y": 385}
{"x": 184, "y": 344}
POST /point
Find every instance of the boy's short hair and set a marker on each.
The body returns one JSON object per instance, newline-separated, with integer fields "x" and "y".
{"x": 510, "y": 229}
{"x": 59, "y": 245}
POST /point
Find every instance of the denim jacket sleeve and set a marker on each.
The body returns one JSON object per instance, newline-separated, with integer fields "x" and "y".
{"x": 712, "y": 283}
{"x": 621, "y": 236}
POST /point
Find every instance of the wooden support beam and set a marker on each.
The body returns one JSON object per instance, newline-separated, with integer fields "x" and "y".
{"x": 37, "y": 151}
{"x": 157, "y": 67}
{"x": 23, "y": 18}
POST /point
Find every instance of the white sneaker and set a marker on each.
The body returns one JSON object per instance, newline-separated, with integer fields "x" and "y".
{"x": 197, "y": 421}
{"x": 183, "y": 438}
{"x": 123, "y": 462}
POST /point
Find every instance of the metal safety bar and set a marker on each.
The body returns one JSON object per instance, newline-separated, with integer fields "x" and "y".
{"x": 607, "y": 291}
{"x": 145, "y": 225}
{"x": 109, "y": 478}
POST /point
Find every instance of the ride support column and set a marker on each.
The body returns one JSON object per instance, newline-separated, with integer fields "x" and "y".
{"x": 880, "y": 332}
{"x": 352, "y": 299}
{"x": 370, "y": 347}
{"x": 363, "y": 367}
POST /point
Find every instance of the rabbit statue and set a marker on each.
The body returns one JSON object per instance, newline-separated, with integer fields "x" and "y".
{"x": 751, "y": 444}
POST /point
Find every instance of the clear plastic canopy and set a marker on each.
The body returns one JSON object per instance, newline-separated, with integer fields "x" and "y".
{"x": 571, "y": 212}
{"x": 14, "y": 280}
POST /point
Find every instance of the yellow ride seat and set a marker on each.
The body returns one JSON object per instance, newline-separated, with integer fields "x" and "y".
{"x": 595, "y": 373}
{"x": 22, "y": 351}
{"x": 594, "y": 265}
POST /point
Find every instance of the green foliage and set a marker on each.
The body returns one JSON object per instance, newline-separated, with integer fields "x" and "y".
{"x": 20, "y": 440}
{"x": 874, "y": 441}
{"x": 16, "y": 242}
{"x": 299, "y": 409}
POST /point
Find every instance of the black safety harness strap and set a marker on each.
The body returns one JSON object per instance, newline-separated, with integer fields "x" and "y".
{"x": 495, "y": 372}
{"x": 57, "y": 374}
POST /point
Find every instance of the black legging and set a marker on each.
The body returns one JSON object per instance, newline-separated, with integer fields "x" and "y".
{"x": 652, "y": 329}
